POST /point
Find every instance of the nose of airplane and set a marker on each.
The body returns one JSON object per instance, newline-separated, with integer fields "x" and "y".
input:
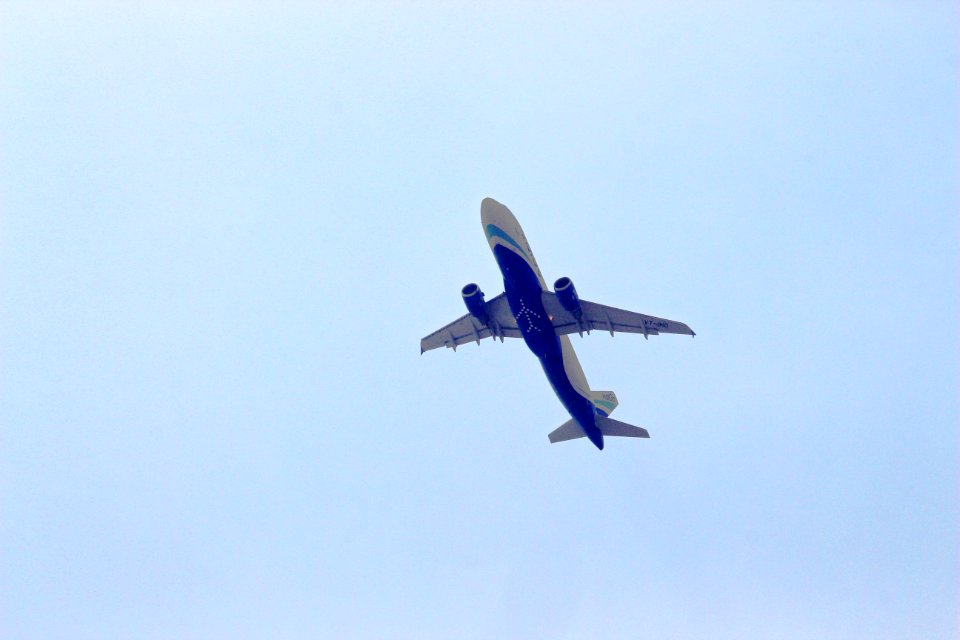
{"x": 492, "y": 212}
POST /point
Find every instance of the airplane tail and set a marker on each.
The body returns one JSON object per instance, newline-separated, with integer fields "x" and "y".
{"x": 604, "y": 401}
{"x": 570, "y": 430}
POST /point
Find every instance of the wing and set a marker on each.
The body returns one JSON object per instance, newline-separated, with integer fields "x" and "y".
{"x": 598, "y": 316}
{"x": 468, "y": 329}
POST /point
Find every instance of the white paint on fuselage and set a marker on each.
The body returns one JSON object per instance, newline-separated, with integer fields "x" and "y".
{"x": 571, "y": 365}
{"x": 492, "y": 212}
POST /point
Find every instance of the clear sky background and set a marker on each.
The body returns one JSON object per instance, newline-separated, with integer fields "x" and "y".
{"x": 226, "y": 226}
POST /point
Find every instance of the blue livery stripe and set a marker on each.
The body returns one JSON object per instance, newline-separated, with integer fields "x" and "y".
{"x": 494, "y": 230}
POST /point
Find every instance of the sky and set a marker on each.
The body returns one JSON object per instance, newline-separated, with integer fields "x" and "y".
{"x": 224, "y": 228}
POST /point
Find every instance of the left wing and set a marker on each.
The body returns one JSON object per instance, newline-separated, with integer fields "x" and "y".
{"x": 598, "y": 316}
{"x": 468, "y": 329}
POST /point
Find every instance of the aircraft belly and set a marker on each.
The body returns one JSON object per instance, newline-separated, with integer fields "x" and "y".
{"x": 534, "y": 324}
{"x": 524, "y": 294}
{"x": 579, "y": 407}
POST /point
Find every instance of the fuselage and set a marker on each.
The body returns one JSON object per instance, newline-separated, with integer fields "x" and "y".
{"x": 524, "y": 286}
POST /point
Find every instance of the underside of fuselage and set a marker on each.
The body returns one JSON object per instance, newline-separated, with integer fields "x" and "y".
{"x": 525, "y": 295}
{"x": 545, "y": 319}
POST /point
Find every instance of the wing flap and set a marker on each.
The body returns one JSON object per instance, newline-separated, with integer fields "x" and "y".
{"x": 466, "y": 328}
{"x": 602, "y": 317}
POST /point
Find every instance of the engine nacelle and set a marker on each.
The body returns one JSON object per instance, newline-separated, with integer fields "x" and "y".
{"x": 567, "y": 296}
{"x": 473, "y": 298}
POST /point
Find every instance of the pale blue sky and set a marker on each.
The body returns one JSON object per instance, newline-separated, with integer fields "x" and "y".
{"x": 225, "y": 228}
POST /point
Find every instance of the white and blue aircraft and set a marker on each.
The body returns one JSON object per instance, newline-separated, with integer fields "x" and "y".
{"x": 544, "y": 319}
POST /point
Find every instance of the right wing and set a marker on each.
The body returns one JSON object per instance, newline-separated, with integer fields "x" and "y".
{"x": 468, "y": 329}
{"x": 599, "y": 316}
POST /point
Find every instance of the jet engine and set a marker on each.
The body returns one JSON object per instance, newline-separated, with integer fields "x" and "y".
{"x": 473, "y": 298}
{"x": 567, "y": 296}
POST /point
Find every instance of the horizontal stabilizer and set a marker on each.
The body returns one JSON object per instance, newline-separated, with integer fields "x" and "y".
{"x": 611, "y": 427}
{"x": 570, "y": 430}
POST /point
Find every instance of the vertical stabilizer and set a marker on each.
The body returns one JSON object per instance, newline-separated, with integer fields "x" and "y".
{"x": 604, "y": 401}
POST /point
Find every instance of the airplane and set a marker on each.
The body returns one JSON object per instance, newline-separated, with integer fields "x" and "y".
{"x": 544, "y": 319}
